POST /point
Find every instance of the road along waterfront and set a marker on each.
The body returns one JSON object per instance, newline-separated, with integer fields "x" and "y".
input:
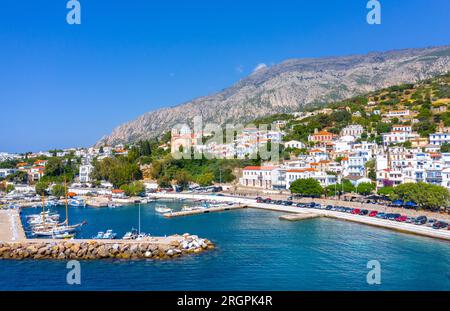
{"x": 384, "y": 223}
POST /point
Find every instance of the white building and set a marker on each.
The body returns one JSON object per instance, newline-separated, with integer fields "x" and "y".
{"x": 4, "y": 172}
{"x": 354, "y": 130}
{"x": 439, "y": 139}
{"x": 398, "y": 113}
{"x": 446, "y": 178}
{"x": 265, "y": 177}
{"x": 294, "y": 144}
{"x": 85, "y": 172}
{"x": 323, "y": 178}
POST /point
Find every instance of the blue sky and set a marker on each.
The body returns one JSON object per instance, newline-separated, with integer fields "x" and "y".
{"x": 67, "y": 85}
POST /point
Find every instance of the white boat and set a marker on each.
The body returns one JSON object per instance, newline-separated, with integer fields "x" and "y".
{"x": 77, "y": 203}
{"x": 65, "y": 235}
{"x": 114, "y": 205}
{"x": 141, "y": 236}
{"x": 187, "y": 208}
{"x": 99, "y": 235}
{"x": 109, "y": 235}
{"x": 162, "y": 209}
{"x": 131, "y": 235}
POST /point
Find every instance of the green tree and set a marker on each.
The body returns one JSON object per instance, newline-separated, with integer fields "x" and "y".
{"x": 58, "y": 190}
{"x": 41, "y": 187}
{"x": 307, "y": 187}
{"x": 386, "y": 191}
{"x": 9, "y": 188}
{"x": 164, "y": 182}
{"x": 205, "y": 179}
{"x": 365, "y": 188}
{"x": 183, "y": 178}
{"x": 425, "y": 195}
{"x": 133, "y": 189}
{"x": 445, "y": 147}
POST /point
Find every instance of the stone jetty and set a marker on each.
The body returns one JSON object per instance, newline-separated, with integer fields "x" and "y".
{"x": 151, "y": 248}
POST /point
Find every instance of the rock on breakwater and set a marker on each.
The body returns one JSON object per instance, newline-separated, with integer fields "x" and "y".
{"x": 173, "y": 247}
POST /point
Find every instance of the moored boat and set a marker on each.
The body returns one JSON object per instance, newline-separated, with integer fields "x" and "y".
{"x": 162, "y": 209}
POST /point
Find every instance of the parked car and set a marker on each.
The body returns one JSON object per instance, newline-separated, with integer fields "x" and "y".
{"x": 382, "y": 215}
{"x": 363, "y": 212}
{"x": 356, "y": 211}
{"x": 421, "y": 220}
{"x": 440, "y": 225}
{"x": 410, "y": 220}
{"x": 373, "y": 213}
{"x": 393, "y": 216}
{"x": 430, "y": 222}
{"x": 401, "y": 218}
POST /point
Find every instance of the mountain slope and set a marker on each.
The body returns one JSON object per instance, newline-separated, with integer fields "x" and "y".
{"x": 290, "y": 86}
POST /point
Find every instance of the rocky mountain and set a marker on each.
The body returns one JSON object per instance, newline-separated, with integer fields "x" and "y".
{"x": 290, "y": 86}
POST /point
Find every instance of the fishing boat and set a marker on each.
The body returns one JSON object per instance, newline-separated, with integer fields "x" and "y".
{"x": 109, "y": 235}
{"x": 99, "y": 235}
{"x": 162, "y": 209}
{"x": 114, "y": 205}
{"x": 142, "y": 236}
{"x": 131, "y": 235}
{"x": 77, "y": 203}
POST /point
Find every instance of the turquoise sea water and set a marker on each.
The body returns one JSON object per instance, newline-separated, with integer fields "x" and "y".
{"x": 255, "y": 251}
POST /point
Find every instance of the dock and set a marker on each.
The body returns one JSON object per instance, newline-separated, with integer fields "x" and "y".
{"x": 11, "y": 228}
{"x": 297, "y": 217}
{"x": 204, "y": 211}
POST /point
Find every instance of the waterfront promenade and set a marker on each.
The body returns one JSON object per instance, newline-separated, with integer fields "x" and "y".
{"x": 383, "y": 223}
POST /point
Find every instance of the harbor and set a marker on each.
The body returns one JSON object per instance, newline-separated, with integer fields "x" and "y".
{"x": 294, "y": 254}
{"x": 15, "y": 245}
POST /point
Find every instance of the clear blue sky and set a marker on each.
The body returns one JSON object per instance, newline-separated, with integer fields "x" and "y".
{"x": 63, "y": 85}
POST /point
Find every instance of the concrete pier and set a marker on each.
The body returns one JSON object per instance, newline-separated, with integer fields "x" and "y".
{"x": 296, "y": 217}
{"x": 204, "y": 211}
{"x": 11, "y": 228}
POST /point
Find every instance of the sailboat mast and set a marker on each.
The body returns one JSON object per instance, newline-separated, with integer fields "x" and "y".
{"x": 139, "y": 219}
{"x": 67, "y": 204}
{"x": 43, "y": 209}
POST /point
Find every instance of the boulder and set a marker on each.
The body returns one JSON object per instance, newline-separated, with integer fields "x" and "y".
{"x": 103, "y": 251}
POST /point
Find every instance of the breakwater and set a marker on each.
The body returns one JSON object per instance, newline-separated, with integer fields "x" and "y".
{"x": 151, "y": 248}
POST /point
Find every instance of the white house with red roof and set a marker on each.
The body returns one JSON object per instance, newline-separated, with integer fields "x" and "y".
{"x": 264, "y": 177}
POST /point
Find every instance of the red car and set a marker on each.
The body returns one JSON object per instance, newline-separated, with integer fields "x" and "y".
{"x": 373, "y": 213}
{"x": 401, "y": 218}
{"x": 356, "y": 211}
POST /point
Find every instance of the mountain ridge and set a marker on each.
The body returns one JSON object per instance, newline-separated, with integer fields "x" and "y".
{"x": 290, "y": 86}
